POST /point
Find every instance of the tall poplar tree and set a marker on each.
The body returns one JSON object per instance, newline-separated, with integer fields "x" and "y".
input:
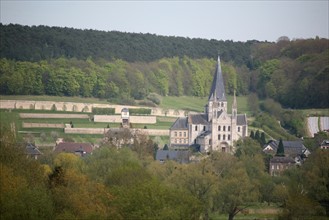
{"x": 280, "y": 151}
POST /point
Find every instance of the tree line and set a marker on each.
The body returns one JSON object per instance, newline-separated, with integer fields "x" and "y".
{"x": 37, "y": 43}
{"x": 116, "y": 81}
{"x": 126, "y": 183}
{"x": 126, "y": 66}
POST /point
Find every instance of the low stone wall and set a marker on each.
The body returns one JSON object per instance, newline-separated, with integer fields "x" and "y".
{"x": 38, "y": 115}
{"x": 83, "y": 107}
{"x": 151, "y": 132}
{"x": 86, "y": 130}
{"x": 108, "y": 118}
{"x": 132, "y": 119}
{"x": 41, "y": 125}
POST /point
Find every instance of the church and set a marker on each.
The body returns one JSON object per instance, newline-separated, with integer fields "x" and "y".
{"x": 215, "y": 129}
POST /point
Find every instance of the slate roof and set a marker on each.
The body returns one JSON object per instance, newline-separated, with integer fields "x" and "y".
{"x": 181, "y": 156}
{"x": 32, "y": 149}
{"x": 180, "y": 124}
{"x": 71, "y": 147}
{"x": 217, "y": 90}
{"x": 198, "y": 119}
{"x": 291, "y": 148}
{"x": 282, "y": 160}
{"x": 241, "y": 120}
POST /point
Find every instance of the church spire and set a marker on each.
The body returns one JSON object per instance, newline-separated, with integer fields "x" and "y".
{"x": 217, "y": 91}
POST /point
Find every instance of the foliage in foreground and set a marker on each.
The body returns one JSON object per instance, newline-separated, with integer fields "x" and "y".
{"x": 126, "y": 183}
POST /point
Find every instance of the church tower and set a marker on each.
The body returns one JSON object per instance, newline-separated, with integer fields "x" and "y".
{"x": 217, "y": 100}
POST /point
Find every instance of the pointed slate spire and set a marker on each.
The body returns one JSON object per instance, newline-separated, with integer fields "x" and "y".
{"x": 217, "y": 91}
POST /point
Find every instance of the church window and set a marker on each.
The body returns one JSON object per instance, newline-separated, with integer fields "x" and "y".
{"x": 219, "y": 128}
{"x": 238, "y": 129}
{"x": 224, "y": 128}
{"x": 224, "y": 137}
{"x": 229, "y": 137}
{"x": 196, "y": 127}
{"x": 204, "y": 128}
{"x": 229, "y": 128}
{"x": 219, "y": 137}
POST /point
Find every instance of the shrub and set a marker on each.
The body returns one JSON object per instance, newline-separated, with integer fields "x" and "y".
{"x": 103, "y": 111}
{"x": 155, "y": 98}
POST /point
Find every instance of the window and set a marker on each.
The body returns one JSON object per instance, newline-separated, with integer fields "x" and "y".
{"x": 224, "y": 128}
{"x": 196, "y": 127}
{"x": 219, "y": 137}
{"x": 175, "y": 133}
{"x": 222, "y": 104}
{"x": 180, "y": 141}
{"x": 184, "y": 133}
{"x": 209, "y": 141}
{"x": 204, "y": 128}
{"x": 219, "y": 128}
{"x": 180, "y": 134}
{"x": 272, "y": 167}
{"x": 223, "y": 149}
{"x": 238, "y": 129}
{"x": 229, "y": 137}
{"x": 224, "y": 137}
{"x": 229, "y": 128}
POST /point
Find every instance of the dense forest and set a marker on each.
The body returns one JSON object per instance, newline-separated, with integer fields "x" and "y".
{"x": 127, "y": 183}
{"x": 123, "y": 67}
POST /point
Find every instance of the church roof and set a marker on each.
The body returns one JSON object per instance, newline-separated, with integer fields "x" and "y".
{"x": 179, "y": 124}
{"x": 241, "y": 120}
{"x": 217, "y": 91}
{"x": 198, "y": 119}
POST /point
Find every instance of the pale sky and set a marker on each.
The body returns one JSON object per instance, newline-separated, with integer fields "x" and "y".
{"x": 220, "y": 20}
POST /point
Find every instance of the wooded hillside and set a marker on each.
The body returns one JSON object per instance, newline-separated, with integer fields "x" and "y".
{"x": 125, "y": 66}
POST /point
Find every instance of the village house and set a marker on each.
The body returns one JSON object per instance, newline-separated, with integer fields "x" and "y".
{"x": 294, "y": 154}
{"x": 215, "y": 129}
{"x": 32, "y": 151}
{"x": 325, "y": 145}
{"x": 80, "y": 149}
{"x": 180, "y": 156}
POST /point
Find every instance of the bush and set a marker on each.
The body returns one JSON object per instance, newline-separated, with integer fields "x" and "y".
{"x": 155, "y": 98}
{"x": 103, "y": 111}
{"x": 139, "y": 111}
{"x": 147, "y": 103}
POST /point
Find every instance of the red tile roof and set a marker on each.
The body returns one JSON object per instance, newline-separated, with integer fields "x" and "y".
{"x": 71, "y": 147}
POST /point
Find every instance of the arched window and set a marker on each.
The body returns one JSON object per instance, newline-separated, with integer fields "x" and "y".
{"x": 219, "y": 137}
{"x": 229, "y": 137}
{"x": 224, "y": 128}
{"x": 224, "y": 137}
{"x": 219, "y": 128}
{"x": 229, "y": 128}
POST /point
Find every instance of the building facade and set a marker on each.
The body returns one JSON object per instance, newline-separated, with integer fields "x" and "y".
{"x": 215, "y": 129}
